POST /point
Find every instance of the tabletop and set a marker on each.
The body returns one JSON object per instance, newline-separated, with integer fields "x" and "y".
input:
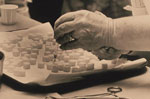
{"x": 137, "y": 87}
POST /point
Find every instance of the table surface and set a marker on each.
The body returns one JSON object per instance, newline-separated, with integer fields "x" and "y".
{"x": 137, "y": 87}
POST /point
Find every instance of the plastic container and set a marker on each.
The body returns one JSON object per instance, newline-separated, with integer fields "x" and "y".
{"x": 8, "y": 14}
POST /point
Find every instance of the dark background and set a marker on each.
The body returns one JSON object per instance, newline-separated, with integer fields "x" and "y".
{"x": 50, "y": 10}
{"x": 45, "y": 10}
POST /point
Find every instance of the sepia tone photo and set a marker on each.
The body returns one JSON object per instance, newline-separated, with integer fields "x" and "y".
{"x": 74, "y": 49}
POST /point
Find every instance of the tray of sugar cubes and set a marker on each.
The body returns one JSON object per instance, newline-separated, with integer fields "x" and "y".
{"x": 33, "y": 55}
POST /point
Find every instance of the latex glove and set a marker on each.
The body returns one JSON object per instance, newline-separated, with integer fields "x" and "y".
{"x": 83, "y": 29}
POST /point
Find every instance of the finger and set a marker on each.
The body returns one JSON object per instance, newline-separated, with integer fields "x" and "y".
{"x": 64, "y": 28}
{"x": 64, "y": 18}
{"x": 71, "y": 45}
{"x": 65, "y": 39}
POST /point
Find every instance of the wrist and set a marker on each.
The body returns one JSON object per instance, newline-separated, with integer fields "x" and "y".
{"x": 111, "y": 30}
{"x": 107, "y": 34}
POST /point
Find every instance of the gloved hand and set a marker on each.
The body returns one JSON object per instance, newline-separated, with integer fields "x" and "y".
{"x": 84, "y": 29}
{"x": 93, "y": 32}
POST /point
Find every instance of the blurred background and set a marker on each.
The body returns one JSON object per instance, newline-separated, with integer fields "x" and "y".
{"x": 50, "y": 10}
{"x": 111, "y": 8}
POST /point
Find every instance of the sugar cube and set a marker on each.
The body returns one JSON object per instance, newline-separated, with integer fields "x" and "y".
{"x": 28, "y": 50}
{"x": 66, "y": 68}
{"x": 27, "y": 55}
{"x": 60, "y": 65}
{"x": 54, "y": 69}
{"x": 39, "y": 45}
{"x": 75, "y": 69}
{"x": 82, "y": 68}
{"x": 47, "y": 53}
{"x": 33, "y": 55}
{"x": 23, "y": 53}
{"x": 21, "y": 49}
{"x": 81, "y": 64}
{"x": 104, "y": 66}
{"x": 41, "y": 65}
{"x": 90, "y": 66}
{"x": 32, "y": 61}
{"x": 49, "y": 66}
{"x": 26, "y": 65}
{"x": 34, "y": 50}
{"x": 47, "y": 48}
{"x": 46, "y": 58}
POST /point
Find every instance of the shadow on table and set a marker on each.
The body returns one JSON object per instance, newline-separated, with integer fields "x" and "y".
{"x": 87, "y": 81}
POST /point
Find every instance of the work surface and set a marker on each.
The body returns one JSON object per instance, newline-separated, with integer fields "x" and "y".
{"x": 135, "y": 87}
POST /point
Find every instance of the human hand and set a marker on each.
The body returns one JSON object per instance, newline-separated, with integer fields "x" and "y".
{"x": 83, "y": 29}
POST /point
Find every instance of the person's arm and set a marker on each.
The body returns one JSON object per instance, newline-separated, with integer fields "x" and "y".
{"x": 132, "y": 33}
